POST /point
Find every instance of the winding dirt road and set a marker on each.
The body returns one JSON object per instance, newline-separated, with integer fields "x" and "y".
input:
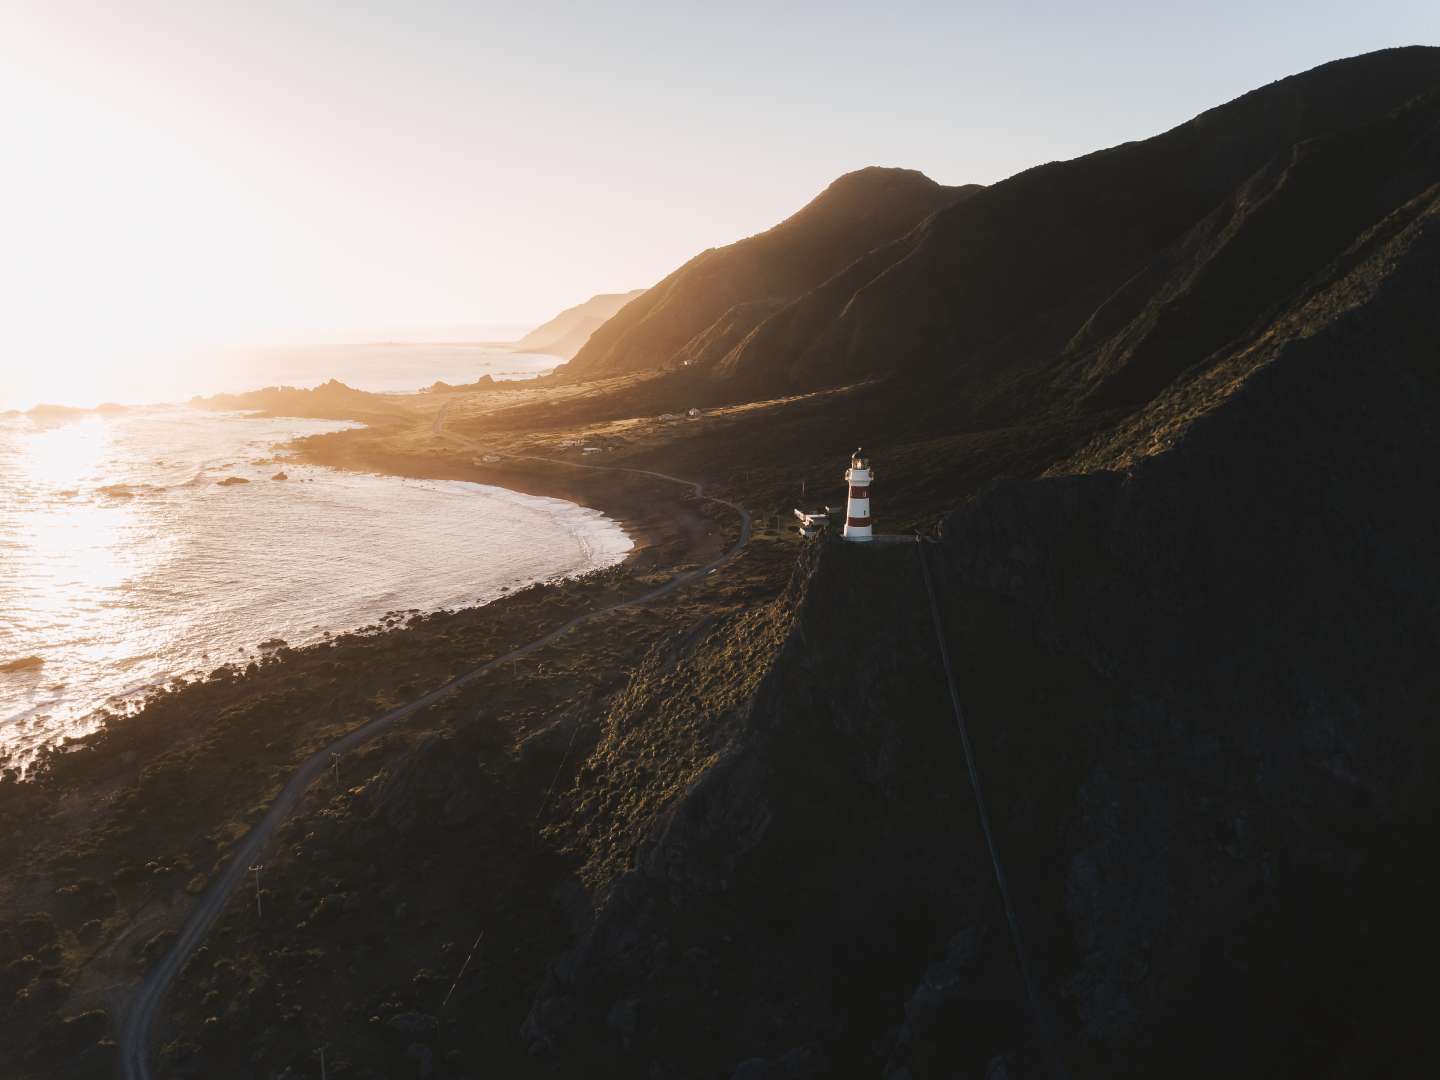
{"x": 139, "y": 1019}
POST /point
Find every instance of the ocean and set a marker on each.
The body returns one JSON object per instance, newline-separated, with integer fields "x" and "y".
{"x": 126, "y": 562}
{"x": 386, "y": 367}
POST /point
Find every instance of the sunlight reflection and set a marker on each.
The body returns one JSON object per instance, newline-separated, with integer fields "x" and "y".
{"x": 78, "y": 546}
{"x": 63, "y": 453}
{"x": 81, "y": 548}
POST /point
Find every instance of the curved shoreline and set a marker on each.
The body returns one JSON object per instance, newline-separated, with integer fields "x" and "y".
{"x": 660, "y": 526}
{"x": 53, "y": 692}
{"x": 139, "y": 1017}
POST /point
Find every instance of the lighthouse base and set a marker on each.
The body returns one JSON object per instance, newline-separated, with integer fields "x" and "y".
{"x": 856, "y": 536}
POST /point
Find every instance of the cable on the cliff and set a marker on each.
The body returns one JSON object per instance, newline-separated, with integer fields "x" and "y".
{"x": 1037, "y": 1007}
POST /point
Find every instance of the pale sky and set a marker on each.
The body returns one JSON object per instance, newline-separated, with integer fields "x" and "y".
{"x": 249, "y": 171}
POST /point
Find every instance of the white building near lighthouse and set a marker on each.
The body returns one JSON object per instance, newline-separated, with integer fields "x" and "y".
{"x": 857, "y": 506}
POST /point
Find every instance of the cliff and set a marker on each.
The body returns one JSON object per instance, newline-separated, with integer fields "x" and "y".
{"x": 1197, "y": 661}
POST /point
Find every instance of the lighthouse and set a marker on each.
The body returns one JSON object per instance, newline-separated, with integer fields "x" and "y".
{"x": 857, "y": 507}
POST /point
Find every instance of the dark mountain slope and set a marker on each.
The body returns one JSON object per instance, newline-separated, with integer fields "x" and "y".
{"x": 856, "y": 213}
{"x": 1010, "y": 276}
{"x": 1255, "y": 251}
{"x": 1198, "y": 665}
{"x": 1252, "y": 563}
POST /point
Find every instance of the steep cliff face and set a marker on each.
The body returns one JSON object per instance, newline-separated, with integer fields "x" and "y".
{"x": 1251, "y": 566}
{"x": 1197, "y": 660}
{"x": 766, "y": 900}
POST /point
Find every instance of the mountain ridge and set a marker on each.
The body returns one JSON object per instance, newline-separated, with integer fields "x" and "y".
{"x": 854, "y": 213}
{"x": 1194, "y": 660}
{"x": 1086, "y": 226}
{"x": 566, "y": 333}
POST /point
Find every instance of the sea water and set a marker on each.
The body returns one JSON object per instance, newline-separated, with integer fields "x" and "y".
{"x": 126, "y": 562}
{"x": 382, "y": 367}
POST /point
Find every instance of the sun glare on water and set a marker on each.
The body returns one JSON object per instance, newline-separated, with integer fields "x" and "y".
{"x": 73, "y": 546}
{"x": 61, "y": 456}
{"x": 79, "y": 540}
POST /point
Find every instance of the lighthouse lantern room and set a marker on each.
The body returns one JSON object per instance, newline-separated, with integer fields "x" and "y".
{"x": 857, "y": 506}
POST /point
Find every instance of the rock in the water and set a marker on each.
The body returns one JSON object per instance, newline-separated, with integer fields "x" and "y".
{"x": 281, "y": 475}
{"x": 231, "y": 481}
{"x": 24, "y": 663}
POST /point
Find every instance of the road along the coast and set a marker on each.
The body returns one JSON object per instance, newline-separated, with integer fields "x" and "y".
{"x": 139, "y": 1017}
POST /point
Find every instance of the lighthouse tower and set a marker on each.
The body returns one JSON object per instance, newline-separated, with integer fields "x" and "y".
{"x": 857, "y": 507}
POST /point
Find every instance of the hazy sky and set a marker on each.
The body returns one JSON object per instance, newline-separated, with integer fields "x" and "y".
{"x": 192, "y": 171}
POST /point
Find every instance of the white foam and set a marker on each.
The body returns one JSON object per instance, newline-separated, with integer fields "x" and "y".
{"x": 117, "y": 594}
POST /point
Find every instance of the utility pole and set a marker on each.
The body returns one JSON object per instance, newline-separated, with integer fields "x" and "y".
{"x": 322, "y": 1063}
{"x": 335, "y": 761}
{"x": 256, "y": 870}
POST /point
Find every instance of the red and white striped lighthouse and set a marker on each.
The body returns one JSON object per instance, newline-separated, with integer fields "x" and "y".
{"x": 857, "y": 506}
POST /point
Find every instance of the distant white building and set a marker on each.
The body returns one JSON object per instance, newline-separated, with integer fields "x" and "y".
{"x": 811, "y": 524}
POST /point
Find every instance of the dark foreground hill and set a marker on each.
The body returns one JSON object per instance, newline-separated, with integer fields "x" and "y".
{"x": 1193, "y": 634}
{"x": 1197, "y": 663}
